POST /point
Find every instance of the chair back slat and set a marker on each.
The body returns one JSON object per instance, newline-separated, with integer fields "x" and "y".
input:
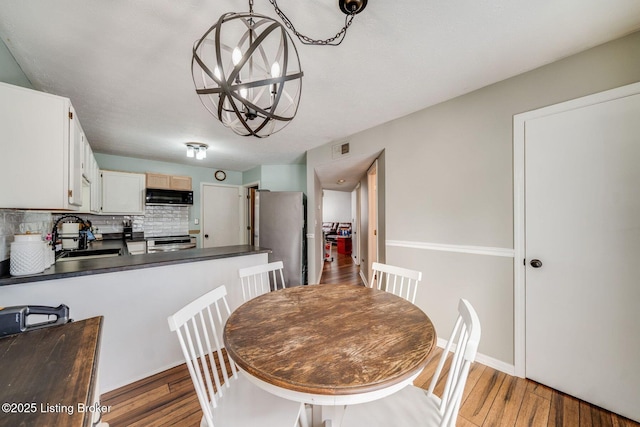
{"x": 261, "y": 279}
{"x": 464, "y": 341}
{"x": 198, "y": 326}
{"x": 397, "y": 280}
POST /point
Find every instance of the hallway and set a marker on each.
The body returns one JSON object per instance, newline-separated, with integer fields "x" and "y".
{"x": 341, "y": 270}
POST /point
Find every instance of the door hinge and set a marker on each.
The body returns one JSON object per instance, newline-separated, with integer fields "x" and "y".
{"x": 71, "y": 115}
{"x": 70, "y": 193}
{"x": 375, "y": 232}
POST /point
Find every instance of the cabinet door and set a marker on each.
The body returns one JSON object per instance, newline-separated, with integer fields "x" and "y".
{"x": 76, "y": 158}
{"x": 180, "y": 182}
{"x": 96, "y": 187}
{"x": 122, "y": 192}
{"x": 86, "y": 163}
{"x": 157, "y": 180}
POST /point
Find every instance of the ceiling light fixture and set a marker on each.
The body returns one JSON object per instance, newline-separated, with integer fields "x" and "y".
{"x": 197, "y": 150}
{"x": 249, "y": 75}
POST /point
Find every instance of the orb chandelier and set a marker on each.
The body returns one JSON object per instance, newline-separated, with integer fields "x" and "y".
{"x": 247, "y": 72}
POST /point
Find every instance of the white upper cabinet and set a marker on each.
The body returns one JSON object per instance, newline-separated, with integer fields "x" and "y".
{"x": 86, "y": 162}
{"x": 96, "y": 186}
{"x": 76, "y": 158}
{"x": 122, "y": 193}
{"x": 41, "y": 159}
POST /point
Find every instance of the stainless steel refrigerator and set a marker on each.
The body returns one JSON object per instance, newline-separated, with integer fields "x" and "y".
{"x": 281, "y": 219}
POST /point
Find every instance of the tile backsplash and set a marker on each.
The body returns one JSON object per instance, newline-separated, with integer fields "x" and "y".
{"x": 165, "y": 220}
{"x": 157, "y": 221}
{"x": 14, "y": 222}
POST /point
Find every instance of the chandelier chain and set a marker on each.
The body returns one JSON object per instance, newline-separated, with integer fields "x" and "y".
{"x": 332, "y": 41}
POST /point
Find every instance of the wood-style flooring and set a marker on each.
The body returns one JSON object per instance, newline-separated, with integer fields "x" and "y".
{"x": 340, "y": 270}
{"x": 491, "y": 398}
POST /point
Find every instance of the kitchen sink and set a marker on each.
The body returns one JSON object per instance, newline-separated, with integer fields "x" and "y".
{"x": 89, "y": 254}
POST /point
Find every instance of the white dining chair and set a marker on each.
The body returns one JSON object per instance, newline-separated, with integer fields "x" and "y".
{"x": 397, "y": 280}
{"x": 261, "y": 279}
{"x": 415, "y": 407}
{"x": 227, "y": 398}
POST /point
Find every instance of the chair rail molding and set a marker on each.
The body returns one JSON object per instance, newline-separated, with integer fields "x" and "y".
{"x": 465, "y": 249}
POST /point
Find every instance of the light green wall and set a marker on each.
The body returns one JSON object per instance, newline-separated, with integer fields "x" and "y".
{"x": 252, "y": 175}
{"x": 278, "y": 177}
{"x": 198, "y": 175}
{"x": 10, "y": 71}
{"x": 284, "y": 178}
{"x": 272, "y": 177}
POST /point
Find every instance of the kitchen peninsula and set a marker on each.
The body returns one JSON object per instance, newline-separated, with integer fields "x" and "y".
{"x": 135, "y": 294}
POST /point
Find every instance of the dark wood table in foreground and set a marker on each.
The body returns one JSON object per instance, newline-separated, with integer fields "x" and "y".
{"x": 48, "y": 376}
{"x": 330, "y": 344}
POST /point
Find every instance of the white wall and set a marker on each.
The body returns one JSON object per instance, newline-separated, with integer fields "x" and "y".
{"x": 336, "y": 206}
{"x": 448, "y": 186}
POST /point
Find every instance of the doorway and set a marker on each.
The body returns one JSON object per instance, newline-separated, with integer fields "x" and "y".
{"x": 577, "y": 244}
{"x": 252, "y": 214}
{"x": 221, "y": 215}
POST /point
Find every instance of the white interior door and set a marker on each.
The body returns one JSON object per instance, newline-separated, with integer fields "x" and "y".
{"x": 221, "y": 215}
{"x": 582, "y": 198}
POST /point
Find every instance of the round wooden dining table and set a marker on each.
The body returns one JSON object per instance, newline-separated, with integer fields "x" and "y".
{"x": 330, "y": 344}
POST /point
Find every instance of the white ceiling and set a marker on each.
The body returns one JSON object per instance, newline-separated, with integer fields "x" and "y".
{"x": 125, "y": 65}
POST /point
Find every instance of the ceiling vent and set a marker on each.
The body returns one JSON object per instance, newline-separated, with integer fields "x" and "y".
{"x": 340, "y": 150}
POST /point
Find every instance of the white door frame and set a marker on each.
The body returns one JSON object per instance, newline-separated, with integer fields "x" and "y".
{"x": 519, "y": 267}
{"x": 244, "y": 223}
{"x": 356, "y": 226}
{"x": 372, "y": 224}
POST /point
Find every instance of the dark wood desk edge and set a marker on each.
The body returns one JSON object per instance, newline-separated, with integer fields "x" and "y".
{"x": 89, "y": 338}
{"x": 88, "y": 421}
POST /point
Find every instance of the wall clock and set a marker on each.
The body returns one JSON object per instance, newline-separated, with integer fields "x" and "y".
{"x": 220, "y": 175}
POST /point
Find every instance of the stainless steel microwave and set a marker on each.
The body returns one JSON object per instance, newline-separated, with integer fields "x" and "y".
{"x": 157, "y": 196}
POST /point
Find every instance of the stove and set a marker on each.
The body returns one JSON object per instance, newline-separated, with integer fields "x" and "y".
{"x": 170, "y": 243}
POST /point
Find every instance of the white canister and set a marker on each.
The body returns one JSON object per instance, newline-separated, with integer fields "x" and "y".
{"x": 49, "y": 255}
{"x": 27, "y": 255}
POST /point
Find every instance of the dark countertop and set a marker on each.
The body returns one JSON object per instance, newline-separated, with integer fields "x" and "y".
{"x": 130, "y": 262}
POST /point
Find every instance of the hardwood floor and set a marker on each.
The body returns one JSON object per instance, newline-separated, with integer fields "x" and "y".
{"x": 491, "y": 398}
{"x": 340, "y": 270}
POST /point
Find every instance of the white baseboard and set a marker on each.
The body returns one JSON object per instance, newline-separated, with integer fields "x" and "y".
{"x": 143, "y": 376}
{"x": 319, "y": 276}
{"x": 364, "y": 279}
{"x": 491, "y": 362}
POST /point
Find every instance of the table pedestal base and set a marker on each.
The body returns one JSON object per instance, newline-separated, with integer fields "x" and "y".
{"x": 327, "y": 416}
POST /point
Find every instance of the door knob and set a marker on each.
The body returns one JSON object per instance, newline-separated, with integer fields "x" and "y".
{"x": 206, "y": 236}
{"x": 536, "y": 263}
